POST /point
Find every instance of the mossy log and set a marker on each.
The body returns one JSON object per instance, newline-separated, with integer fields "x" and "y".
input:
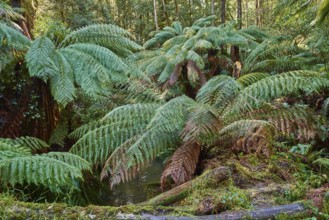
{"x": 290, "y": 211}
{"x": 180, "y": 192}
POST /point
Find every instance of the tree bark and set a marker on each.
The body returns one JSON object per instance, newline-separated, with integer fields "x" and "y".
{"x": 182, "y": 191}
{"x": 239, "y": 13}
{"x": 165, "y": 12}
{"x": 176, "y": 10}
{"x": 223, "y": 11}
{"x": 155, "y": 15}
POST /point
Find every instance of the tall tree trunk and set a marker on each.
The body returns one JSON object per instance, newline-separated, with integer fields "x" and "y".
{"x": 260, "y": 12}
{"x": 190, "y": 11}
{"x": 176, "y": 10}
{"x": 212, "y": 7}
{"x": 239, "y": 13}
{"x": 155, "y": 15}
{"x": 223, "y": 11}
{"x": 247, "y": 13}
{"x": 165, "y": 12}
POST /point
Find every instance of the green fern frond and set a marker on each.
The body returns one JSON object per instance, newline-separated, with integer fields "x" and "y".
{"x": 6, "y": 147}
{"x": 39, "y": 170}
{"x": 247, "y": 133}
{"x": 27, "y": 142}
{"x": 273, "y": 87}
{"x": 250, "y": 78}
{"x": 58, "y": 135}
{"x": 9, "y": 12}
{"x": 13, "y": 38}
{"x": 8, "y": 154}
{"x": 40, "y": 59}
{"x": 62, "y": 83}
{"x": 322, "y": 162}
{"x": 218, "y": 91}
{"x": 71, "y": 159}
{"x": 116, "y": 127}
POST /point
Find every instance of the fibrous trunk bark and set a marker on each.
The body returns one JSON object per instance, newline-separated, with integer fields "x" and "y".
{"x": 155, "y": 15}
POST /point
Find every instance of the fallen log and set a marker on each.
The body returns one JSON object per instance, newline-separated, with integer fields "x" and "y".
{"x": 265, "y": 213}
{"x": 180, "y": 192}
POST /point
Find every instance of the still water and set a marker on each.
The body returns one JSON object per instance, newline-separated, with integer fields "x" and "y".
{"x": 126, "y": 193}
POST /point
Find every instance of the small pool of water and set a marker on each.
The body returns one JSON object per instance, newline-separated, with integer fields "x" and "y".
{"x": 131, "y": 192}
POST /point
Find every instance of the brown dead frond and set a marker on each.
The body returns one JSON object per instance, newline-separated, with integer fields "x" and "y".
{"x": 182, "y": 164}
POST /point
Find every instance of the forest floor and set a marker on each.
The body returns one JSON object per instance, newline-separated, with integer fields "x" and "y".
{"x": 230, "y": 185}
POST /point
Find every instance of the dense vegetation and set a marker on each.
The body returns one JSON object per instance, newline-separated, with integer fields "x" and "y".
{"x": 100, "y": 89}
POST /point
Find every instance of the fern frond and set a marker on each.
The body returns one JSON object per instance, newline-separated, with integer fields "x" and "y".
{"x": 6, "y": 147}
{"x": 107, "y": 35}
{"x": 39, "y": 170}
{"x": 40, "y": 59}
{"x": 9, "y": 12}
{"x": 273, "y": 87}
{"x": 13, "y": 38}
{"x": 116, "y": 127}
{"x": 71, "y": 159}
{"x": 218, "y": 91}
{"x": 62, "y": 83}
{"x": 182, "y": 164}
{"x": 322, "y": 162}
{"x": 203, "y": 122}
{"x": 27, "y": 142}
{"x": 247, "y": 136}
{"x": 298, "y": 122}
{"x": 159, "y": 135}
{"x": 58, "y": 135}
{"x": 250, "y": 78}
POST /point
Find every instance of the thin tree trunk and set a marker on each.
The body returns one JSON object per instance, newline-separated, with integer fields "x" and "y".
{"x": 239, "y": 13}
{"x": 190, "y": 10}
{"x": 257, "y": 11}
{"x": 247, "y": 13}
{"x": 165, "y": 12}
{"x": 223, "y": 11}
{"x": 260, "y": 12}
{"x": 176, "y": 10}
{"x": 212, "y": 7}
{"x": 155, "y": 15}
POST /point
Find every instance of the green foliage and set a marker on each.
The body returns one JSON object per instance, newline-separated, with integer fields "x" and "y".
{"x": 322, "y": 12}
{"x": 57, "y": 171}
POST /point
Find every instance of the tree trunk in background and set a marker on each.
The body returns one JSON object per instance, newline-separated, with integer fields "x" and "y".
{"x": 247, "y": 14}
{"x": 212, "y": 7}
{"x": 190, "y": 11}
{"x": 165, "y": 12}
{"x": 256, "y": 12}
{"x": 155, "y": 15}
{"x": 222, "y": 11}
{"x": 176, "y": 10}
{"x": 260, "y": 12}
{"x": 239, "y": 13}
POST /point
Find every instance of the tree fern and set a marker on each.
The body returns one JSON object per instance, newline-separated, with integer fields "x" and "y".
{"x": 70, "y": 159}
{"x": 250, "y": 78}
{"x": 39, "y": 170}
{"x": 12, "y": 38}
{"x": 270, "y": 88}
{"x": 27, "y": 142}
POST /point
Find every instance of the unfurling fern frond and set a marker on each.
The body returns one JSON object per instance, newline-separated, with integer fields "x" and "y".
{"x": 39, "y": 170}
{"x": 31, "y": 143}
{"x": 182, "y": 164}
